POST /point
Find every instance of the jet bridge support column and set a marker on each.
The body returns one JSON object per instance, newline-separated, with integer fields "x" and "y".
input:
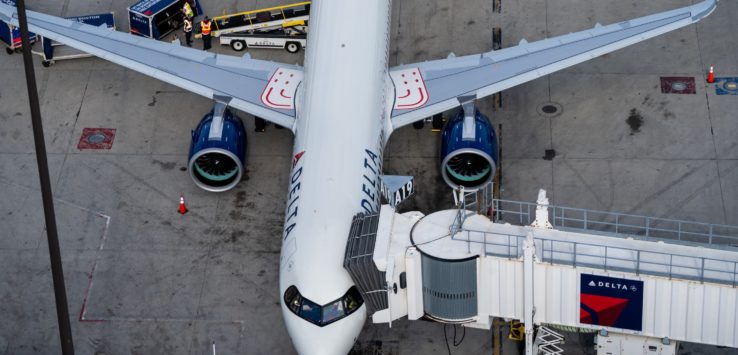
{"x": 529, "y": 252}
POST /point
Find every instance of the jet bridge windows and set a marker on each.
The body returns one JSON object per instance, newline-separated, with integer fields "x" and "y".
{"x": 322, "y": 315}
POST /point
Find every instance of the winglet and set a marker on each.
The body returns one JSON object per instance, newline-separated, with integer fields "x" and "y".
{"x": 703, "y": 9}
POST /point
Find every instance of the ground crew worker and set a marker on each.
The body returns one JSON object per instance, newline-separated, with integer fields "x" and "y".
{"x": 187, "y": 10}
{"x": 188, "y": 31}
{"x": 205, "y": 28}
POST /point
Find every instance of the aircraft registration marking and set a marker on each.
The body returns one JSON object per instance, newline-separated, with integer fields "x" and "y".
{"x": 410, "y": 90}
{"x": 280, "y": 91}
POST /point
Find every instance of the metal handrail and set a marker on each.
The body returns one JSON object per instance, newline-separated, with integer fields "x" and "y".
{"x": 571, "y": 254}
{"x": 253, "y": 12}
{"x": 620, "y": 223}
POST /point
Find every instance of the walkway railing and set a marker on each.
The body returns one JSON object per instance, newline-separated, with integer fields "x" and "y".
{"x": 641, "y": 227}
{"x": 610, "y": 258}
{"x": 685, "y": 264}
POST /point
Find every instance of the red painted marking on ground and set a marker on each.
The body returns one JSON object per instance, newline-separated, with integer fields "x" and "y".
{"x": 106, "y": 143}
{"x": 668, "y": 83}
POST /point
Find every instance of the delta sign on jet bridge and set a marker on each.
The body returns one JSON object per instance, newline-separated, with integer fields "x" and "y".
{"x": 341, "y": 127}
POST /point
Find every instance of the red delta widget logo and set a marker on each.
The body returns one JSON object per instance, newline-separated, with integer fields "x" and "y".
{"x": 611, "y": 302}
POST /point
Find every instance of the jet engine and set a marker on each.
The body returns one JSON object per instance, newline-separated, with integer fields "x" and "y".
{"x": 218, "y": 150}
{"x": 468, "y": 150}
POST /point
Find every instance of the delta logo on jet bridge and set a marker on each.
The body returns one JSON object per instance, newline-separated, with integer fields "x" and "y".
{"x": 611, "y": 302}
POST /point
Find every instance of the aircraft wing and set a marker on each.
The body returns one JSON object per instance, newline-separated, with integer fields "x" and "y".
{"x": 243, "y": 83}
{"x": 424, "y": 89}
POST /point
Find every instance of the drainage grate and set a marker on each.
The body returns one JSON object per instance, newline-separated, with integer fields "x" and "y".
{"x": 96, "y": 138}
{"x": 549, "y": 109}
{"x": 678, "y": 85}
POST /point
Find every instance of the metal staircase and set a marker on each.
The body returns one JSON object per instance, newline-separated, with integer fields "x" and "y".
{"x": 547, "y": 342}
{"x": 358, "y": 261}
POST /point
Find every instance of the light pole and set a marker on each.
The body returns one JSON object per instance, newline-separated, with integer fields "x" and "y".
{"x": 62, "y": 313}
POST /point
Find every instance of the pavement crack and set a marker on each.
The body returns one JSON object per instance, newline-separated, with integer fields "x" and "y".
{"x": 584, "y": 182}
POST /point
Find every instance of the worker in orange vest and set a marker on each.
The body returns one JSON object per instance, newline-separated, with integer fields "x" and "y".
{"x": 205, "y": 26}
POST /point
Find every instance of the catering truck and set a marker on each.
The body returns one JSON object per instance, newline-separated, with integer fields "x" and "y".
{"x": 158, "y": 18}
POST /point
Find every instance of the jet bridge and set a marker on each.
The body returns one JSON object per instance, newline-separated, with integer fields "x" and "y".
{"x": 556, "y": 267}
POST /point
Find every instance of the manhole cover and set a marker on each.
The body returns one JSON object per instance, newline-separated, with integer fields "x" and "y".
{"x": 678, "y": 85}
{"x": 549, "y": 109}
{"x": 96, "y": 138}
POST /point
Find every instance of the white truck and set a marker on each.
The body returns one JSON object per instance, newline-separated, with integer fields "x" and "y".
{"x": 291, "y": 39}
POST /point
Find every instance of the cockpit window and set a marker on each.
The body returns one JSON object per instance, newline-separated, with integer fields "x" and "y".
{"x": 310, "y": 311}
{"x": 353, "y": 300}
{"x": 292, "y": 299}
{"x": 322, "y": 315}
{"x": 333, "y": 311}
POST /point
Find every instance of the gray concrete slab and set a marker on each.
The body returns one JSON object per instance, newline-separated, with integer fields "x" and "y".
{"x": 524, "y": 133}
{"x": 679, "y": 189}
{"x": 670, "y": 126}
{"x": 20, "y": 213}
{"x": 722, "y": 119}
{"x": 729, "y": 186}
{"x": 718, "y": 40}
{"x": 519, "y": 175}
{"x": 170, "y": 284}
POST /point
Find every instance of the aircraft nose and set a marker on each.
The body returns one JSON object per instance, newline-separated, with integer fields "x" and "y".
{"x": 333, "y": 339}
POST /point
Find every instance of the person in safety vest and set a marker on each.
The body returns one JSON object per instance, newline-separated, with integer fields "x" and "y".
{"x": 188, "y": 31}
{"x": 187, "y": 10}
{"x": 205, "y": 26}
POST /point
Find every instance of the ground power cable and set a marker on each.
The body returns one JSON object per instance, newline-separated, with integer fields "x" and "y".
{"x": 455, "y": 342}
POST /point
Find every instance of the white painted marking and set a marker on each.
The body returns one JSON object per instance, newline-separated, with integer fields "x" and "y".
{"x": 280, "y": 91}
{"x": 410, "y": 91}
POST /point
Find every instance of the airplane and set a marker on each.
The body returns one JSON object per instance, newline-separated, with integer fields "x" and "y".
{"x": 342, "y": 106}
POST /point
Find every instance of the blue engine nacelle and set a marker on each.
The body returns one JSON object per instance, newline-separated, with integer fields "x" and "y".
{"x": 468, "y": 151}
{"x": 218, "y": 150}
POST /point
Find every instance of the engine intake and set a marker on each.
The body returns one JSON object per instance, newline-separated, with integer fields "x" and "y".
{"x": 468, "y": 151}
{"x": 218, "y": 151}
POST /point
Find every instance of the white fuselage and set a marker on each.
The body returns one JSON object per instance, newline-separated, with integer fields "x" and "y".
{"x": 341, "y": 111}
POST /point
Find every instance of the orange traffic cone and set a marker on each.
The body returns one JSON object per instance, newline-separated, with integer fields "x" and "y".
{"x": 182, "y": 208}
{"x": 711, "y": 76}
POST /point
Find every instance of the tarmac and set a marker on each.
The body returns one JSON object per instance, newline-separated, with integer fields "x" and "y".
{"x": 142, "y": 279}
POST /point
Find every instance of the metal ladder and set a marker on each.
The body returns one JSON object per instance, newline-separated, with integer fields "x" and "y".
{"x": 478, "y": 201}
{"x": 547, "y": 342}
